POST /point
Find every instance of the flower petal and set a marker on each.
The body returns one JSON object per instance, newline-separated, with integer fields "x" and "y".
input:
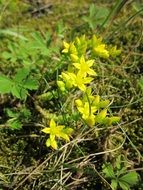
{"x": 90, "y": 63}
{"x": 46, "y": 130}
{"x": 91, "y": 72}
{"x": 76, "y": 65}
{"x": 52, "y": 124}
{"x": 53, "y": 142}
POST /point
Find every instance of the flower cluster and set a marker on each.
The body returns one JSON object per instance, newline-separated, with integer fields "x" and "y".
{"x": 79, "y": 75}
{"x": 94, "y": 110}
{"x": 80, "y": 72}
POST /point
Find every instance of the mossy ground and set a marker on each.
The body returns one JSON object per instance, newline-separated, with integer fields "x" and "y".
{"x": 25, "y": 162}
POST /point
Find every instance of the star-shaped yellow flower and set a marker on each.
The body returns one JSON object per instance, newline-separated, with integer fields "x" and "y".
{"x": 80, "y": 81}
{"x": 84, "y": 66}
{"x": 56, "y": 131}
{"x": 69, "y": 48}
{"x": 86, "y": 110}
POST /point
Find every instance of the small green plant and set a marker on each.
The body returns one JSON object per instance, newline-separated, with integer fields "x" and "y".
{"x": 19, "y": 85}
{"x": 17, "y": 118}
{"x": 90, "y": 109}
{"x": 27, "y": 51}
{"x": 119, "y": 176}
{"x": 97, "y": 16}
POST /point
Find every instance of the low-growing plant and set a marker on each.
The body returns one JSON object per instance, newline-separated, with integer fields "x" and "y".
{"x": 77, "y": 81}
{"x": 18, "y": 117}
{"x": 119, "y": 175}
{"x": 79, "y": 106}
{"x": 19, "y": 85}
{"x": 96, "y": 17}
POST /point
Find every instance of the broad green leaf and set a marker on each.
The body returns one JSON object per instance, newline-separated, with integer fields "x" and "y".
{"x": 39, "y": 43}
{"x": 39, "y": 39}
{"x": 6, "y": 55}
{"x": 114, "y": 184}
{"x": 5, "y": 84}
{"x": 101, "y": 14}
{"x": 124, "y": 185}
{"x": 130, "y": 178}
{"x": 25, "y": 113}
{"x": 19, "y": 92}
{"x": 118, "y": 162}
{"x": 21, "y": 74}
{"x": 14, "y": 123}
{"x": 11, "y": 113}
{"x": 108, "y": 171}
{"x": 92, "y": 10}
{"x": 31, "y": 84}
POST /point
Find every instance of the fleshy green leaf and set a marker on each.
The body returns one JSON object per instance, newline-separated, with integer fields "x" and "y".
{"x": 101, "y": 116}
{"x": 68, "y": 131}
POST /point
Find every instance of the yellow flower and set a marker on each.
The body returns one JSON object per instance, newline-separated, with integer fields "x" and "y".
{"x": 78, "y": 103}
{"x": 90, "y": 120}
{"x": 67, "y": 79}
{"x": 96, "y": 41}
{"x": 81, "y": 44}
{"x": 96, "y": 100}
{"x": 84, "y": 66}
{"x": 56, "y": 131}
{"x": 79, "y": 80}
{"x": 74, "y": 57}
{"x": 101, "y": 51}
{"x": 66, "y": 47}
{"x": 72, "y": 49}
{"x": 86, "y": 110}
{"x": 80, "y": 40}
